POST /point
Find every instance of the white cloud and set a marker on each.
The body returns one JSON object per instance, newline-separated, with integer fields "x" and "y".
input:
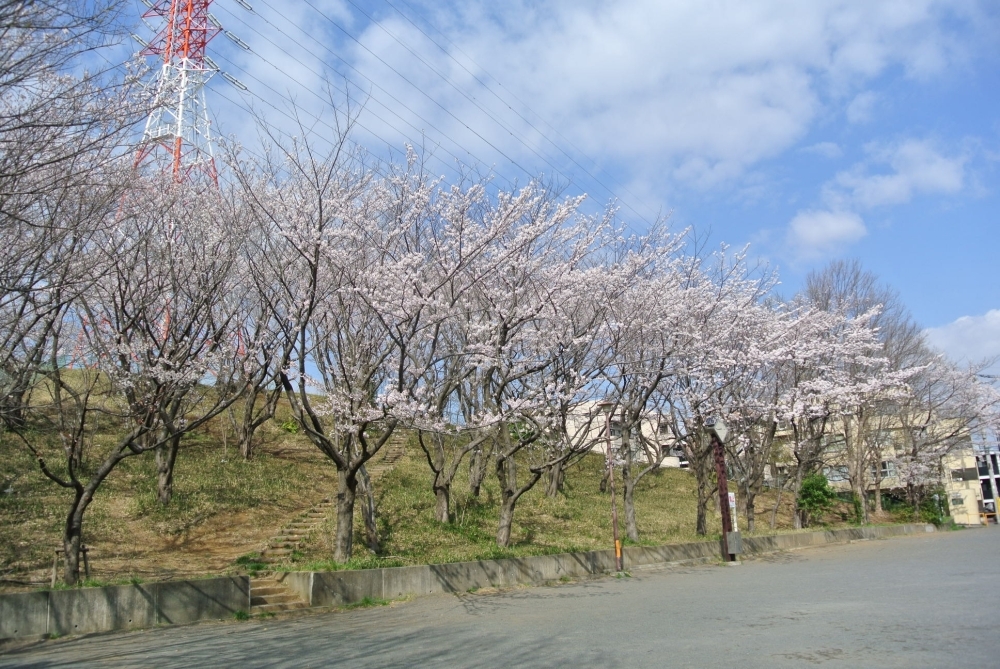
{"x": 694, "y": 92}
{"x": 916, "y": 168}
{"x": 825, "y": 149}
{"x": 969, "y": 338}
{"x": 816, "y": 233}
{"x": 861, "y": 107}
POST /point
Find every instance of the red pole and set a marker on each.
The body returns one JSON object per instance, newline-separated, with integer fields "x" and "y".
{"x": 720, "y": 472}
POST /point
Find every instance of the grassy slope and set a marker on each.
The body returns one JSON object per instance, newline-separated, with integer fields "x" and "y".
{"x": 224, "y": 508}
{"x": 579, "y": 519}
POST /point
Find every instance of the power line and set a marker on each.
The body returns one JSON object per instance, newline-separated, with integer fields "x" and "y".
{"x": 475, "y": 103}
{"x": 284, "y": 73}
{"x": 501, "y": 100}
{"x": 415, "y": 87}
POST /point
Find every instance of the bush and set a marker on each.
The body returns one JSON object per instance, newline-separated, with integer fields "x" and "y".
{"x": 815, "y": 496}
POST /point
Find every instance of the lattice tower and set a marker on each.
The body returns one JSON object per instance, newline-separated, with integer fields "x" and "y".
{"x": 178, "y": 130}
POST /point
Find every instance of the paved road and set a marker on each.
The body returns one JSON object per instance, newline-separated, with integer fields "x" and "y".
{"x": 922, "y": 601}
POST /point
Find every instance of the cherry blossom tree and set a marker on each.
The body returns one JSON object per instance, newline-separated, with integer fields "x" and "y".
{"x": 147, "y": 350}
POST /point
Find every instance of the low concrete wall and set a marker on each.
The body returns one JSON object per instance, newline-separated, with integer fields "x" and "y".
{"x": 117, "y": 607}
{"x": 87, "y": 610}
{"x": 346, "y": 587}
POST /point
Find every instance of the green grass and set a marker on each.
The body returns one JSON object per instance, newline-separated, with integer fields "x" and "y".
{"x": 130, "y": 533}
{"x": 579, "y": 519}
{"x": 367, "y": 602}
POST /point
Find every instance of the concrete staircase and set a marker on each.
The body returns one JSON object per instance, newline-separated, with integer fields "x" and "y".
{"x": 269, "y": 595}
{"x": 292, "y": 536}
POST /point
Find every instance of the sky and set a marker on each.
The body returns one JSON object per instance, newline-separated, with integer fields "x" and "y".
{"x": 810, "y": 131}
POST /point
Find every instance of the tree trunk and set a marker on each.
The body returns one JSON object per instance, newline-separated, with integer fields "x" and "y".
{"x": 477, "y": 470}
{"x": 878, "y": 495}
{"x": 701, "y": 526}
{"x": 368, "y": 510}
{"x": 442, "y": 502}
{"x": 556, "y": 477}
{"x": 347, "y": 488}
{"x": 631, "y": 527}
{"x": 750, "y": 496}
{"x": 166, "y": 456}
{"x": 859, "y": 494}
{"x": 628, "y": 484}
{"x": 507, "y": 476}
{"x": 437, "y": 459}
{"x": 72, "y": 539}
{"x": 798, "y": 516}
{"x": 506, "y": 522}
{"x": 777, "y": 504}
{"x": 247, "y": 427}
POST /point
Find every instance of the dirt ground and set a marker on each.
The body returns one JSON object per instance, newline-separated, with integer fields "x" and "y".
{"x": 223, "y": 508}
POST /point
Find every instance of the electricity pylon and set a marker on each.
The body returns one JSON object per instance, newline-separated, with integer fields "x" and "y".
{"x": 178, "y": 131}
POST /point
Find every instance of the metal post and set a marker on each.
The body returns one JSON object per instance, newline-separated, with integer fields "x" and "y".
{"x": 720, "y": 472}
{"x": 614, "y": 505}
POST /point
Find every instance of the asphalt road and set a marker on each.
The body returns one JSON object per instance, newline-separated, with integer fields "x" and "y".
{"x": 921, "y": 601}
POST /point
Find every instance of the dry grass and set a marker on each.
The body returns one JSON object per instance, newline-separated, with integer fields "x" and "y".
{"x": 224, "y": 509}
{"x": 578, "y": 519}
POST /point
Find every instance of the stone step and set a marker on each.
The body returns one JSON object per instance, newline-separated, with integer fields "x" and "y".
{"x": 275, "y": 608}
{"x": 278, "y": 551}
{"x": 265, "y": 583}
{"x": 267, "y": 591}
{"x": 287, "y": 598}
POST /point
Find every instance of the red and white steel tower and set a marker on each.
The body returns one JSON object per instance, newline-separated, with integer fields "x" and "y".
{"x": 178, "y": 131}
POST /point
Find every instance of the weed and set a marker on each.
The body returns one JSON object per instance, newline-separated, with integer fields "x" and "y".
{"x": 264, "y": 615}
{"x": 368, "y": 602}
{"x": 251, "y": 563}
{"x": 241, "y": 615}
{"x": 474, "y": 588}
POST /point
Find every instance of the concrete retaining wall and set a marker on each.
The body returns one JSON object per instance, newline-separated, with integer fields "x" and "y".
{"x": 87, "y": 610}
{"x": 117, "y": 607}
{"x": 346, "y": 587}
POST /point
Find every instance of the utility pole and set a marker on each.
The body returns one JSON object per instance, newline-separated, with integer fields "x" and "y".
{"x": 717, "y": 431}
{"x": 607, "y": 408}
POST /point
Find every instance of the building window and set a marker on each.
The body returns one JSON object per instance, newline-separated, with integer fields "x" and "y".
{"x": 834, "y": 443}
{"x": 983, "y": 465}
{"x": 835, "y": 474}
{"x": 958, "y": 500}
{"x": 956, "y": 475}
{"x": 887, "y": 470}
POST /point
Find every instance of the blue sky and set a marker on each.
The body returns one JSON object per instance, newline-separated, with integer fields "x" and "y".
{"x": 809, "y": 130}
